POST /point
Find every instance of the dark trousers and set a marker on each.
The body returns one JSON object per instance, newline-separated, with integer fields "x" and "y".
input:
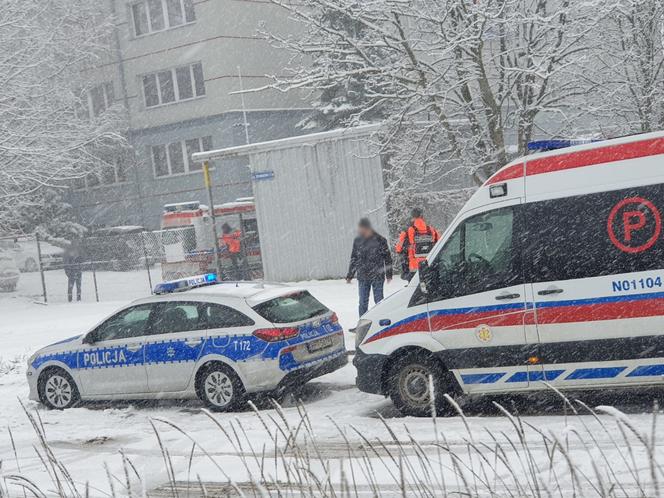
{"x": 364, "y": 287}
{"x": 240, "y": 267}
{"x": 74, "y": 279}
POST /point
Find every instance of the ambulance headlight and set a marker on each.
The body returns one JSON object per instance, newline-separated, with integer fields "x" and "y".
{"x": 361, "y": 331}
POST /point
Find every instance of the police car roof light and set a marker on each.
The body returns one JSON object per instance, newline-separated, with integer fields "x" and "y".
{"x": 187, "y": 283}
{"x": 546, "y": 145}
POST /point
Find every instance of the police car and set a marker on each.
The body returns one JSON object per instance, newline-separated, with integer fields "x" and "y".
{"x": 194, "y": 338}
{"x": 551, "y": 275}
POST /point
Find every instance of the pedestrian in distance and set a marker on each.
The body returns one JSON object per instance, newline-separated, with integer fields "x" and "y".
{"x": 73, "y": 263}
{"x": 371, "y": 262}
{"x": 416, "y": 242}
{"x": 232, "y": 241}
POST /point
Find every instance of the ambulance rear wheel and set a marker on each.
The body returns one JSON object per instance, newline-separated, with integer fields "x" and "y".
{"x": 409, "y": 381}
{"x": 219, "y": 387}
{"x": 57, "y": 390}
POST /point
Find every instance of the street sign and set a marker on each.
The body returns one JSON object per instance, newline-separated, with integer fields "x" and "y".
{"x": 262, "y": 175}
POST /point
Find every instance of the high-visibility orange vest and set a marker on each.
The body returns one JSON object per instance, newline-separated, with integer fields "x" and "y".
{"x": 232, "y": 241}
{"x": 420, "y": 239}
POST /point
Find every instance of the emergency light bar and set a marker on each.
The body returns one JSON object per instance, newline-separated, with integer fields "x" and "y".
{"x": 187, "y": 283}
{"x": 546, "y": 145}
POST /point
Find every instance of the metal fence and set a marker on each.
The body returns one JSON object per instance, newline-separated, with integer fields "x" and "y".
{"x": 114, "y": 266}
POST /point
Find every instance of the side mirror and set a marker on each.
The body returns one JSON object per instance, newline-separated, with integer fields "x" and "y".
{"x": 425, "y": 276}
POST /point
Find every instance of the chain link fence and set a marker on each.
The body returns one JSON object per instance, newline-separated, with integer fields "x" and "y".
{"x": 114, "y": 264}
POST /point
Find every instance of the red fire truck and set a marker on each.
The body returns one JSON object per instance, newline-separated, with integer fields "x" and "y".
{"x": 188, "y": 238}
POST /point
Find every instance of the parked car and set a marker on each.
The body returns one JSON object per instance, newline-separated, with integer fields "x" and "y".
{"x": 9, "y": 273}
{"x": 195, "y": 338}
{"x": 116, "y": 248}
{"x": 26, "y": 254}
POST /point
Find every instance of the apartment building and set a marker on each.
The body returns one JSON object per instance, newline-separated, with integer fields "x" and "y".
{"x": 175, "y": 67}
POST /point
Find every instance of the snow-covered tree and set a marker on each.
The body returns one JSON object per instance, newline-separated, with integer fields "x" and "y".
{"x": 50, "y": 215}
{"x": 631, "y": 69}
{"x": 465, "y": 84}
{"x": 48, "y": 50}
{"x": 344, "y": 101}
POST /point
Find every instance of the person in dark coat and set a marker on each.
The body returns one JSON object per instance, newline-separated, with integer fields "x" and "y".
{"x": 73, "y": 262}
{"x": 371, "y": 262}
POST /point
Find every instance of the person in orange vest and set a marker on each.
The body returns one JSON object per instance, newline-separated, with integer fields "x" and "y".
{"x": 232, "y": 240}
{"x": 415, "y": 243}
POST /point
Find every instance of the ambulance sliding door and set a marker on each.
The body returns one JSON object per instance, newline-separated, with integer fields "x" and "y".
{"x": 595, "y": 262}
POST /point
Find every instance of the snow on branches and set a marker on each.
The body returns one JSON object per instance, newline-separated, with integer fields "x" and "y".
{"x": 462, "y": 85}
{"x": 49, "y": 48}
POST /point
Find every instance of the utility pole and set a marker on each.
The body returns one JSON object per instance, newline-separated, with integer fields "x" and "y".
{"x": 208, "y": 185}
{"x": 245, "y": 123}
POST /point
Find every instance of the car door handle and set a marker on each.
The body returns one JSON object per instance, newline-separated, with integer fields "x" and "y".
{"x": 134, "y": 347}
{"x": 506, "y": 297}
{"x": 193, "y": 342}
{"x": 550, "y": 291}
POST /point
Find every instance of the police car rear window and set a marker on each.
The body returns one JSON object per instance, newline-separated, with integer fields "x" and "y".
{"x": 291, "y": 308}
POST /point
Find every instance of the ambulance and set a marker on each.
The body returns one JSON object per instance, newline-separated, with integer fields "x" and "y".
{"x": 188, "y": 241}
{"x": 552, "y": 275}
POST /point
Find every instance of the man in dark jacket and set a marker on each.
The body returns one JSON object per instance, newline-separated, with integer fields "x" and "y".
{"x": 73, "y": 262}
{"x": 371, "y": 261}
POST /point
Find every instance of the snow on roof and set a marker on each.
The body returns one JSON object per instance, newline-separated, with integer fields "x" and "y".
{"x": 256, "y": 291}
{"x": 600, "y": 144}
{"x": 283, "y": 143}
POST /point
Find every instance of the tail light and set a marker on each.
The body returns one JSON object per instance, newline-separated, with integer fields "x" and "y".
{"x": 334, "y": 318}
{"x": 276, "y": 334}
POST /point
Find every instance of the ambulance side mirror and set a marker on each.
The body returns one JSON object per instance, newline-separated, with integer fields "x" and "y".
{"x": 426, "y": 276}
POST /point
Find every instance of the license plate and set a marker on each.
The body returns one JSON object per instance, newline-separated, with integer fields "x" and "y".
{"x": 320, "y": 344}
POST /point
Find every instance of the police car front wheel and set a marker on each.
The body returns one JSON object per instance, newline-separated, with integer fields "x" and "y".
{"x": 220, "y": 388}
{"x": 57, "y": 389}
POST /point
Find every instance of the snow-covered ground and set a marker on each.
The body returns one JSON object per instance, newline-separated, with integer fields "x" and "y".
{"x": 97, "y": 440}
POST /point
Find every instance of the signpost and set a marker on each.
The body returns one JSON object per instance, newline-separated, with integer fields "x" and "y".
{"x": 208, "y": 185}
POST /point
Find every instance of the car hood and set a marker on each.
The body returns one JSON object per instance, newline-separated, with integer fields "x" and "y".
{"x": 60, "y": 345}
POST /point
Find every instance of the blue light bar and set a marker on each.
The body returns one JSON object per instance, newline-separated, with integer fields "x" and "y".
{"x": 187, "y": 283}
{"x": 546, "y": 145}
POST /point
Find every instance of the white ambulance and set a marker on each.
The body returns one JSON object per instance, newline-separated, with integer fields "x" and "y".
{"x": 551, "y": 274}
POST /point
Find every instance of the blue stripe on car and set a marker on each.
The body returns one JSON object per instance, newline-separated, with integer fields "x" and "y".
{"x": 235, "y": 347}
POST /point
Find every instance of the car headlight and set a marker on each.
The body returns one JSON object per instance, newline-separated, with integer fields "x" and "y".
{"x": 361, "y": 331}
{"x": 32, "y": 359}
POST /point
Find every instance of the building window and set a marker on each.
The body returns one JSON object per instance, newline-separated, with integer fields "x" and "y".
{"x": 108, "y": 174}
{"x": 157, "y": 15}
{"x": 95, "y": 101}
{"x": 175, "y": 158}
{"x": 174, "y": 85}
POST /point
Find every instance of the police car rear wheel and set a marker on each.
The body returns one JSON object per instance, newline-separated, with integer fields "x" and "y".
{"x": 57, "y": 390}
{"x": 220, "y": 388}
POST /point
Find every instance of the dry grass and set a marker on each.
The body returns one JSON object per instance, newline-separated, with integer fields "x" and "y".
{"x": 601, "y": 452}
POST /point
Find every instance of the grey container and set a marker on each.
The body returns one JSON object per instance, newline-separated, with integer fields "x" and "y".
{"x": 310, "y": 191}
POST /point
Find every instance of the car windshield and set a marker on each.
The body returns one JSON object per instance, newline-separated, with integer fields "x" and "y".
{"x": 291, "y": 308}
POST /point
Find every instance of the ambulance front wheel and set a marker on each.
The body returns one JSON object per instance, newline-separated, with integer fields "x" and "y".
{"x": 219, "y": 387}
{"x": 410, "y": 379}
{"x": 57, "y": 390}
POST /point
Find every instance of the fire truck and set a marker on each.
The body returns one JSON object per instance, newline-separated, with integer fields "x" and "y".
{"x": 187, "y": 238}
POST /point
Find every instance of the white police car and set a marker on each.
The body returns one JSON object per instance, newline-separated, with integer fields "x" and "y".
{"x": 213, "y": 341}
